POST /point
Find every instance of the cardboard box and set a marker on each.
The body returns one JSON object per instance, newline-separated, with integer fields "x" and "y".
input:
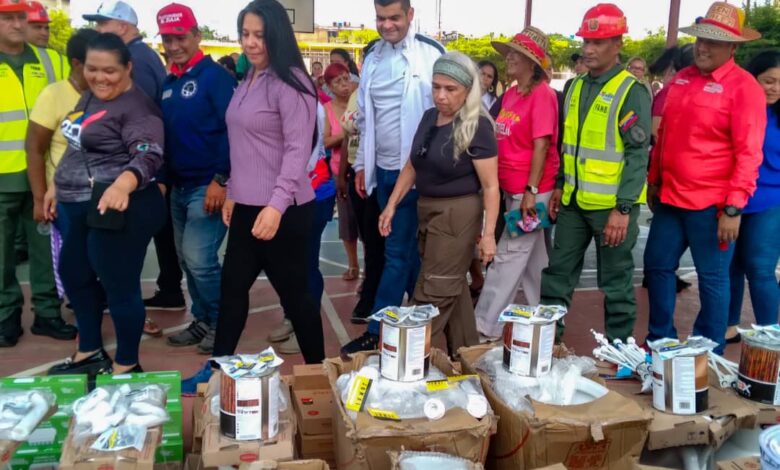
{"x": 606, "y": 433}
{"x": 726, "y": 414}
{"x": 220, "y": 450}
{"x": 316, "y": 447}
{"x": 363, "y": 445}
{"x": 129, "y": 459}
{"x": 7, "y": 449}
{"x": 297, "y": 465}
{"x": 312, "y": 400}
{"x": 750, "y": 463}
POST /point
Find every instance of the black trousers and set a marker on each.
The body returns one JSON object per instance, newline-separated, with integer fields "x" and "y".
{"x": 367, "y": 213}
{"x": 285, "y": 261}
{"x": 169, "y": 279}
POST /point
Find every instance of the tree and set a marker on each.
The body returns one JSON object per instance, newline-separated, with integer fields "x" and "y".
{"x": 359, "y": 36}
{"x": 61, "y": 30}
{"x": 766, "y": 19}
{"x": 481, "y": 49}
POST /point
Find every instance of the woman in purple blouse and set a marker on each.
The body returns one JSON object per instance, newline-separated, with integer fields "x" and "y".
{"x": 271, "y": 121}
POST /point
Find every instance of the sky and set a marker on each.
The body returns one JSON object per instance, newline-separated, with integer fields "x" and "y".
{"x": 491, "y": 16}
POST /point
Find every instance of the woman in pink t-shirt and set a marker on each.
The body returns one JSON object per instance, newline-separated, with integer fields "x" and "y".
{"x": 527, "y": 135}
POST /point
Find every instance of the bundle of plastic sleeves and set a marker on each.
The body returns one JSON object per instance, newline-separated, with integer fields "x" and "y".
{"x": 22, "y": 411}
{"x": 433, "y": 460}
{"x": 561, "y": 386}
{"x": 412, "y": 400}
{"x": 128, "y": 408}
{"x": 406, "y": 315}
{"x": 248, "y": 365}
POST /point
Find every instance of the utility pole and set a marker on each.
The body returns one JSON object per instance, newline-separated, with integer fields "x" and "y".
{"x": 674, "y": 23}
{"x": 529, "y": 4}
{"x": 438, "y": 10}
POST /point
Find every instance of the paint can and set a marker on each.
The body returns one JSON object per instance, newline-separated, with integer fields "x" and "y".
{"x": 759, "y": 370}
{"x": 405, "y": 350}
{"x": 769, "y": 446}
{"x": 528, "y": 348}
{"x": 249, "y": 406}
{"x": 680, "y": 384}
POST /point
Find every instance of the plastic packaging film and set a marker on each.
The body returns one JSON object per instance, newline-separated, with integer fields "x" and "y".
{"x": 22, "y": 411}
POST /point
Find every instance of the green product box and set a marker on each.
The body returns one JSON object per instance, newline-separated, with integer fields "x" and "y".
{"x": 41, "y": 458}
{"x": 172, "y": 379}
{"x": 51, "y": 433}
{"x": 173, "y": 428}
{"x": 170, "y": 450}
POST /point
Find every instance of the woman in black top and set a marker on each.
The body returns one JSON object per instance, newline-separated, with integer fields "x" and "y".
{"x": 455, "y": 169}
{"x": 108, "y": 207}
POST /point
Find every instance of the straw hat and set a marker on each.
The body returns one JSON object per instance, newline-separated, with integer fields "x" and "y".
{"x": 531, "y": 42}
{"x": 725, "y": 23}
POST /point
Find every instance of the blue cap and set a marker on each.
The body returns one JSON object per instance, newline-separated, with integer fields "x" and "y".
{"x": 114, "y": 10}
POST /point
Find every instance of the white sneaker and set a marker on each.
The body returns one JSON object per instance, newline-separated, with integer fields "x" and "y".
{"x": 281, "y": 332}
{"x": 288, "y": 347}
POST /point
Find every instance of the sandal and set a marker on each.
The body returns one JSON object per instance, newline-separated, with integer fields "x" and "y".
{"x": 152, "y": 329}
{"x": 351, "y": 274}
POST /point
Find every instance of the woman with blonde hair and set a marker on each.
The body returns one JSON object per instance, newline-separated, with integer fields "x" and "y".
{"x": 454, "y": 167}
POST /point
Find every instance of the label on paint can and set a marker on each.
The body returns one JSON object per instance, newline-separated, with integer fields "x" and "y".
{"x": 684, "y": 385}
{"x": 241, "y": 409}
{"x": 529, "y": 355}
{"x": 403, "y": 352}
{"x": 273, "y": 406}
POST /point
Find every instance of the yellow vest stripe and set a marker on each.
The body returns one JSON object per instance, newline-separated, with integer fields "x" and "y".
{"x": 47, "y": 65}
{"x": 8, "y": 116}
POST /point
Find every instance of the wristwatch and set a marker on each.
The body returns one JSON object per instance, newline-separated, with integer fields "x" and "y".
{"x": 624, "y": 207}
{"x": 732, "y": 211}
{"x": 221, "y": 179}
{"x": 532, "y": 189}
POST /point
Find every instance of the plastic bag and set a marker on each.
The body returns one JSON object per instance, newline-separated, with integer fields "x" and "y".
{"x": 106, "y": 408}
{"x": 22, "y": 411}
{"x": 121, "y": 437}
{"x": 433, "y": 461}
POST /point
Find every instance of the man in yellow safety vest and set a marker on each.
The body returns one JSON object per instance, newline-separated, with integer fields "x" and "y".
{"x": 24, "y": 72}
{"x": 604, "y": 166}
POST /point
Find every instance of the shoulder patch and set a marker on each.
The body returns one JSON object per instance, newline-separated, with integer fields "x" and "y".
{"x": 431, "y": 42}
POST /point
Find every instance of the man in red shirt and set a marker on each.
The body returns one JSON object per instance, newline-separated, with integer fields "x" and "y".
{"x": 702, "y": 172}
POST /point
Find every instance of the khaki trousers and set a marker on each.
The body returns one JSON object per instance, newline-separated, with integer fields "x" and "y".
{"x": 447, "y": 231}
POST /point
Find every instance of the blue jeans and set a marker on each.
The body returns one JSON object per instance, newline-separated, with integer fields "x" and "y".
{"x": 94, "y": 260}
{"x": 402, "y": 258}
{"x": 755, "y": 256}
{"x": 672, "y": 231}
{"x": 198, "y": 236}
{"x": 323, "y": 213}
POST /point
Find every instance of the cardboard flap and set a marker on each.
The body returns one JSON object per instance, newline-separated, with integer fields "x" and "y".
{"x": 610, "y": 409}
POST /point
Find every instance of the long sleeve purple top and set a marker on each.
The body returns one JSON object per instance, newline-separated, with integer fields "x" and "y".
{"x": 270, "y": 127}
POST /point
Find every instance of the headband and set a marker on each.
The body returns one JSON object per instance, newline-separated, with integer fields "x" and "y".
{"x": 454, "y": 70}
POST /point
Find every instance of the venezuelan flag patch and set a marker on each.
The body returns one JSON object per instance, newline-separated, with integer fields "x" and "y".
{"x": 628, "y": 120}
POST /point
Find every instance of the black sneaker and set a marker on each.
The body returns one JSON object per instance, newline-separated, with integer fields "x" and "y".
{"x": 194, "y": 334}
{"x": 682, "y": 284}
{"x": 10, "y": 331}
{"x": 55, "y": 328}
{"x": 360, "y": 317}
{"x": 165, "y": 301}
{"x": 366, "y": 342}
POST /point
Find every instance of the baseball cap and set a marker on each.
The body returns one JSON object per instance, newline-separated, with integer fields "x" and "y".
{"x": 114, "y": 10}
{"x": 176, "y": 19}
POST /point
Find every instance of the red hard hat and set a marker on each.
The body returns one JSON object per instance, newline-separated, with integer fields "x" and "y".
{"x": 37, "y": 13}
{"x": 605, "y": 20}
{"x": 10, "y": 6}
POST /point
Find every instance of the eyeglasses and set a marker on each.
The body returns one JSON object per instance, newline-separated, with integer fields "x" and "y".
{"x": 633, "y": 68}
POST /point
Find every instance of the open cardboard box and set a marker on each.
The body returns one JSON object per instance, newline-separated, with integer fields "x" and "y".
{"x": 726, "y": 414}
{"x": 219, "y": 450}
{"x": 363, "y": 444}
{"x": 607, "y": 433}
{"x": 194, "y": 462}
{"x": 80, "y": 457}
{"x": 749, "y": 463}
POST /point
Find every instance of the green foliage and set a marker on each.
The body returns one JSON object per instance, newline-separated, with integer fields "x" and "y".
{"x": 766, "y": 19}
{"x": 361, "y": 36}
{"x": 61, "y": 30}
{"x": 480, "y": 49}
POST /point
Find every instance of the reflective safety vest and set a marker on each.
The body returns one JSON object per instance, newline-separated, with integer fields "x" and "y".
{"x": 16, "y": 101}
{"x": 593, "y": 158}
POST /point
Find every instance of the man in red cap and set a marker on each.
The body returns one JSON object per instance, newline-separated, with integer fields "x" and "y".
{"x": 195, "y": 98}
{"x": 703, "y": 170}
{"x": 604, "y": 162}
{"x": 38, "y": 24}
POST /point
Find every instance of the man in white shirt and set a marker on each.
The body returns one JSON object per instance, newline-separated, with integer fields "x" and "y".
{"x": 394, "y": 92}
